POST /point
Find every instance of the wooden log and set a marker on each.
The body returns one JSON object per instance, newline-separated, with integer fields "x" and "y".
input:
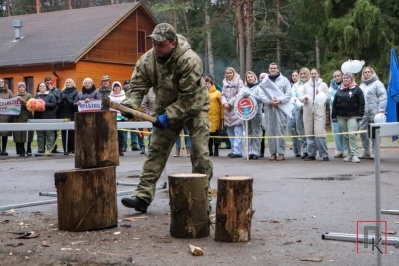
{"x": 189, "y": 205}
{"x": 87, "y": 199}
{"x": 96, "y": 139}
{"x": 234, "y": 209}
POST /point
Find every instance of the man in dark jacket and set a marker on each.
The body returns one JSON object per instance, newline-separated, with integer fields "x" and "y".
{"x": 57, "y": 93}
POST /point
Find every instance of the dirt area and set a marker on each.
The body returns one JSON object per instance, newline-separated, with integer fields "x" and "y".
{"x": 295, "y": 202}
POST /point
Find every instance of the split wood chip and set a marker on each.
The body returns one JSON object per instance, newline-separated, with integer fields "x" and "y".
{"x": 134, "y": 218}
{"x": 66, "y": 248}
{"x": 396, "y": 222}
{"x": 27, "y": 235}
{"x": 196, "y": 251}
{"x": 117, "y": 233}
{"x": 44, "y": 244}
{"x": 312, "y": 259}
{"x": 5, "y": 221}
{"x": 14, "y": 245}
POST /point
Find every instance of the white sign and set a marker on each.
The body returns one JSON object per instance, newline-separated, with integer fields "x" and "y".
{"x": 272, "y": 90}
{"x": 245, "y": 107}
{"x": 92, "y": 106}
{"x": 10, "y": 106}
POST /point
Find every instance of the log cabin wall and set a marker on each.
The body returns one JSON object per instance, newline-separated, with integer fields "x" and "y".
{"x": 115, "y": 55}
{"x": 95, "y": 70}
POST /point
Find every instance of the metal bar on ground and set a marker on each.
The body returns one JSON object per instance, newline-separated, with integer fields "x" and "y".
{"x": 29, "y": 204}
{"x": 358, "y": 238}
{"x": 392, "y": 212}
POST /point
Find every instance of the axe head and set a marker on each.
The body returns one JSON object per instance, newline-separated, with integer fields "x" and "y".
{"x": 105, "y": 104}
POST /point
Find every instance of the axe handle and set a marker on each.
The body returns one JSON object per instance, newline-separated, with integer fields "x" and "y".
{"x": 137, "y": 114}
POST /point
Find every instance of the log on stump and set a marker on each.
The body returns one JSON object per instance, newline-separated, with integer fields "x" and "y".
{"x": 86, "y": 199}
{"x": 189, "y": 205}
{"x": 96, "y": 139}
{"x": 234, "y": 209}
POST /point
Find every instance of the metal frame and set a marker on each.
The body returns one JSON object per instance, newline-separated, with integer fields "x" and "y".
{"x": 375, "y": 131}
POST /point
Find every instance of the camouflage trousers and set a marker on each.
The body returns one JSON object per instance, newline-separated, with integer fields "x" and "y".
{"x": 162, "y": 141}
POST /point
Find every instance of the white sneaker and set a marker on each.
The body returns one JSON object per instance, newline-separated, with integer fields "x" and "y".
{"x": 355, "y": 159}
{"x": 372, "y": 156}
{"x": 364, "y": 155}
{"x": 348, "y": 159}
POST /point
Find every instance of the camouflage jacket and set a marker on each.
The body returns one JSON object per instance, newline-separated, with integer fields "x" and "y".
{"x": 178, "y": 84}
{"x": 105, "y": 91}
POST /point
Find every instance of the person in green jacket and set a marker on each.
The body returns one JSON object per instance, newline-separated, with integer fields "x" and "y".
{"x": 105, "y": 88}
{"x": 175, "y": 72}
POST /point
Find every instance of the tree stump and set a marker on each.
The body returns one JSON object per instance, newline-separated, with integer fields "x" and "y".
{"x": 189, "y": 205}
{"x": 86, "y": 199}
{"x": 234, "y": 209}
{"x": 96, "y": 139}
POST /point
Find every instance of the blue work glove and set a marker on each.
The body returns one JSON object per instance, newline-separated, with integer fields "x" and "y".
{"x": 162, "y": 122}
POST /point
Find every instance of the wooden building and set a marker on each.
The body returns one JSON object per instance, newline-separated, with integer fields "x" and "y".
{"x": 77, "y": 43}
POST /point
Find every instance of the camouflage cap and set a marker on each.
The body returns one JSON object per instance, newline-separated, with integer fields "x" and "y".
{"x": 105, "y": 77}
{"x": 163, "y": 32}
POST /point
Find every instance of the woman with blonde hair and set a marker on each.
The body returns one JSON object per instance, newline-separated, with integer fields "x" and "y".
{"x": 314, "y": 116}
{"x": 299, "y": 128}
{"x": 375, "y": 97}
{"x": 66, "y": 109}
{"x": 232, "y": 85}
{"x": 89, "y": 92}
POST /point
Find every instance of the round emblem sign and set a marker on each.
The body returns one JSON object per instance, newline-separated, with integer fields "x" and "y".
{"x": 245, "y": 107}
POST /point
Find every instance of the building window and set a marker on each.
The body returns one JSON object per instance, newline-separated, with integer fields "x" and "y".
{"x": 29, "y": 85}
{"x": 10, "y": 83}
{"x": 141, "y": 42}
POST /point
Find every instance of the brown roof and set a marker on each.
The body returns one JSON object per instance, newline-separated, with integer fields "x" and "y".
{"x": 60, "y": 36}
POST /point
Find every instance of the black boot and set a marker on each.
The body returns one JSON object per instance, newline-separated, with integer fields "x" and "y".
{"x": 28, "y": 149}
{"x": 4, "y": 140}
{"x": 216, "y": 153}
{"x": 121, "y": 152}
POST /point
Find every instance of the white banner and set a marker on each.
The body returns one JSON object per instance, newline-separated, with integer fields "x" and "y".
{"x": 10, "y": 106}
{"x": 92, "y": 106}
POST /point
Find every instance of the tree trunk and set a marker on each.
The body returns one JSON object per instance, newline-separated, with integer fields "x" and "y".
{"x": 86, "y": 199}
{"x": 241, "y": 37}
{"x": 174, "y": 20}
{"x": 112, "y": 2}
{"x": 234, "y": 209}
{"x": 278, "y": 45}
{"x": 209, "y": 44}
{"x": 38, "y": 6}
{"x": 317, "y": 54}
{"x": 189, "y": 205}
{"x": 8, "y": 8}
{"x": 249, "y": 34}
{"x": 96, "y": 139}
{"x": 91, "y": 3}
{"x": 70, "y": 4}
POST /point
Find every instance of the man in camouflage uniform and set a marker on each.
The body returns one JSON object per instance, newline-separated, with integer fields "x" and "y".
{"x": 175, "y": 73}
{"x": 105, "y": 88}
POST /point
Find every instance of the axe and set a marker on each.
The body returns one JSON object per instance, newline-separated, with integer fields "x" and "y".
{"x": 107, "y": 104}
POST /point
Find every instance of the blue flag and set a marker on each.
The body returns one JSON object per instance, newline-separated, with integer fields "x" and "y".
{"x": 393, "y": 90}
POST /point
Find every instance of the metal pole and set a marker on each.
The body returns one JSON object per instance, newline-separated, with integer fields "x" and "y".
{"x": 23, "y": 205}
{"x": 392, "y": 212}
{"x": 358, "y": 238}
{"x": 246, "y": 139}
{"x": 48, "y": 194}
{"x": 377, "y": 187}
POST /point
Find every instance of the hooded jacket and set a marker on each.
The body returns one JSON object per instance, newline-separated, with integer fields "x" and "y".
{"x": 178, "y": 84}
{"x": 67, "y": 104}
{"x": 375, "y": 95}
{"x": 215, "y": 112}
{"x": 229, "y": 95}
